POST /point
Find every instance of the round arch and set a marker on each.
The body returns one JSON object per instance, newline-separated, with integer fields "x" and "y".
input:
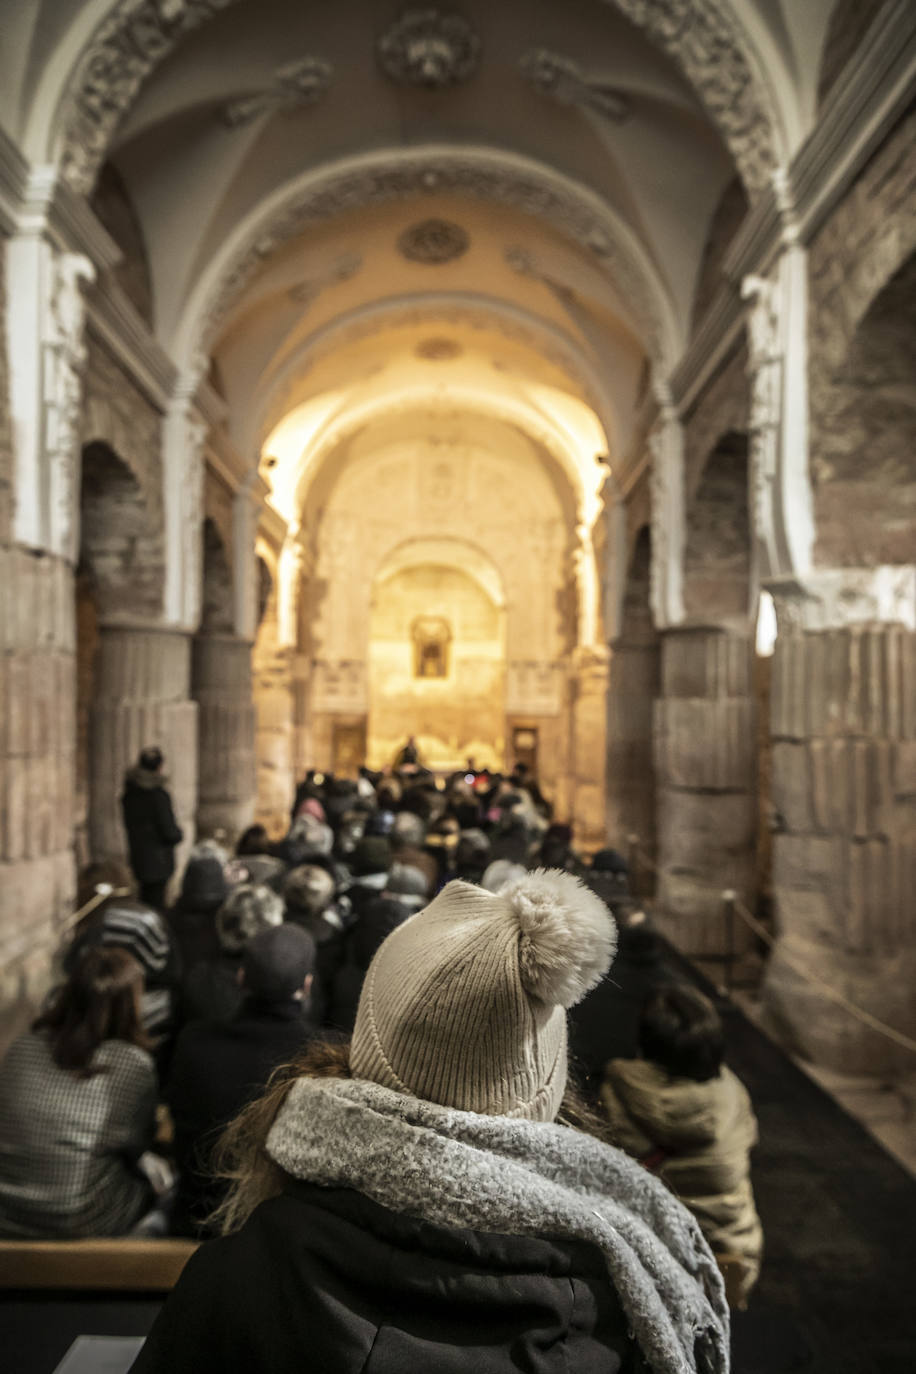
{"x": 103, "y": 59}
{"x": 382, "y": 175}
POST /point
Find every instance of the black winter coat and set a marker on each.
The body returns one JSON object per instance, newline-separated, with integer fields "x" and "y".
{"x": 152, "y": 831}
{"x": 325, "y": 1281}
{"x": 217, "y": 1068}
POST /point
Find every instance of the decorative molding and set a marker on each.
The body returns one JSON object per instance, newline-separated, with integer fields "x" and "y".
{"x": 130, "y": 41}
{"x": 342, "y": 269}
{"x": 834, "y": 598}
{"x": 114, "y": 320}
{"x": 433, "y": 241}
{"x": 429, "y": 48}
{"x": 14, "y": 175}
{"x": 666, "y": 446}
{"x": 706, "y": 42}
{"x": 560, "y": 79}
{"x": 873, "y": 91}
{"x": 294, "y": 86}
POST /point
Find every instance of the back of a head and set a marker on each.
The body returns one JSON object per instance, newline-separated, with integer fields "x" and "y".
{"x": 277, "y": 962}
{"x": 408, "y": 829}
{"x": 681, "y": 1031}
{"x": 203, "y": 884}
{"x": 254, "y": 840}
{"x": 371, "y": 855}
{"x": 404, "y": 880}
{"x": 309, "y": 889}
{"x": 100, "y": 1001}
{"x": 247, "y": 911}
{"x": 151, "y": 759}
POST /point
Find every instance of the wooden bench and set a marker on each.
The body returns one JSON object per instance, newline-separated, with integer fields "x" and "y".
{"x": 123, "y": 1264}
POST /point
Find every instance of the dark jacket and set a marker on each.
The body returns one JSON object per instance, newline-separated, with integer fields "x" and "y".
{"x": 325, "y": 1281}
{"x": 152, "y": 831}
{"x": 217, "y": 1068}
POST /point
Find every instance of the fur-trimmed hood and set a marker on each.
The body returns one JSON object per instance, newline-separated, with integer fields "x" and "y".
{"x": 143, "y": 777}
{"x": 517, "y": 1177}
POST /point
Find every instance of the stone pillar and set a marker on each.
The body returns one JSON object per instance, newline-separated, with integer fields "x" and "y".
{"x": 275, "y": 736}
{"x": 589, "y": 723}
{"x": 705, "y": 754}
{"x": 843, "y": 720}
{"x": 142, "y": 698}
{"x": 633, "y": 687}
{"x": 37, "y": 733}
{"x": 221, "y": 686}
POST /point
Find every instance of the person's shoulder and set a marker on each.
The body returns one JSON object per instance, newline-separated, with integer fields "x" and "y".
{"x": 121, "y": 1054}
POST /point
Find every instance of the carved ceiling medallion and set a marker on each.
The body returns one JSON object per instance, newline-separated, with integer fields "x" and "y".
{"x": 433, "y": 241}
{"x": 438, "y": 350}
{"x": 429, "y": 48}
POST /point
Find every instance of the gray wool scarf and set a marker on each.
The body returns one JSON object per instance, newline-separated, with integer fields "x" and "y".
{"x": 515, "y": 1177}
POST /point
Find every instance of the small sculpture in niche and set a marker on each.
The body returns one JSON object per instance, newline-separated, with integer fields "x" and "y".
{"x": 431, "y": 635}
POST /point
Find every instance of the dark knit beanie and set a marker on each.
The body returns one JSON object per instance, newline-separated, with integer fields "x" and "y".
{"x": 277, "y": 962}
{"x": 371, "y": 855}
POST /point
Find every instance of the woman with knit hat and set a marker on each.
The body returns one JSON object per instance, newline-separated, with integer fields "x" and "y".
{"x": 429, "y": 1200}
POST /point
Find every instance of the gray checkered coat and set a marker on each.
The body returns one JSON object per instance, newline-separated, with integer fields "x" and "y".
{"x": 68, "y": 1144}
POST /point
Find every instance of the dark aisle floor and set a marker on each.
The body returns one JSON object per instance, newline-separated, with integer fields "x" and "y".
{"x": 837, "y": 1293}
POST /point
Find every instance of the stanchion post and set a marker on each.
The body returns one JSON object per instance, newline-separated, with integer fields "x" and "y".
{"x": 729, "y": 897}
{"x": 632, "y": 864}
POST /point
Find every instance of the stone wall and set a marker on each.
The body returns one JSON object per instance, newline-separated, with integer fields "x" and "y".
{"x": 36, "y": 751}
{"x": 705, "y": 761}
{"x": 844, "y": 799}
{"x": 722, "y": 408}
{"x": 37, "y": 732}
{"x": 724, "y": 225}
{"x": 112, "y": 206}
{"x": 860, "y": 368}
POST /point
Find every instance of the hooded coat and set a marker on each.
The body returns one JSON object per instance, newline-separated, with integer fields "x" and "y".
{"x": 152, "y": 830}
{"x": 698, "y": 1138}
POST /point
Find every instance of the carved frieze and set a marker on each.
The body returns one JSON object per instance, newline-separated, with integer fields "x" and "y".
{"x": 427, "y": 47}
{"x": 294, "y": 86}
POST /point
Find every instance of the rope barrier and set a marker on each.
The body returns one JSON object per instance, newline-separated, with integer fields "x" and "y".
{"x": 828, "y": 989}
{"x": 760, "y": 930}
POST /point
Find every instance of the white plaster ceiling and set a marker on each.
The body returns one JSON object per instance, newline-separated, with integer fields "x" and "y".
{"x": 320, "y": 327}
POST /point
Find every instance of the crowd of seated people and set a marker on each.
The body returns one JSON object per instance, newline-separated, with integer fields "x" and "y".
{"x": 166, "y": 1027}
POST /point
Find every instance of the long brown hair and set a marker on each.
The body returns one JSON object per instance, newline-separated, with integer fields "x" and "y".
{"x": 99, "y": 1001}
{"x": 241, "y": 1157}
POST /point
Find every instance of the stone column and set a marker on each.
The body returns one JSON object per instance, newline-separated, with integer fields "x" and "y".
{"x": 37, "y": 733}
{"x": 843, "y": 720}
{"x": 630, "y": 790}
{"x": 142, "y": 698}
{"x": 705, "y": 753}
{"x": 221, "y": 686}
{"x": 275, "y": 736}
{"x": 589, "y": 723}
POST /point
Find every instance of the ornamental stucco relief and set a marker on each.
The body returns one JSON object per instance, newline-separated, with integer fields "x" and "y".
{"x": 294, "y": 86}
{"x": 427, "y": 47}
{"x": 433, "y": 241}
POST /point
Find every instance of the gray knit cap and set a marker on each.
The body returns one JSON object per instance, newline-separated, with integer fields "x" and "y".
{"x": 465, "y": 1003}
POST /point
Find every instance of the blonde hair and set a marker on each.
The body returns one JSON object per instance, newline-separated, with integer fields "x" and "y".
{"x": 241, "y": 1159}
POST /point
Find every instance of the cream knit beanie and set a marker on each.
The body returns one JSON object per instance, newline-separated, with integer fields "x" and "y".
{"x": 465, "y": 1003}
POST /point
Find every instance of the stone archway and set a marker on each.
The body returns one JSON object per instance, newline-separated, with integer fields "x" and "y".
{"x": 138, "y": 672}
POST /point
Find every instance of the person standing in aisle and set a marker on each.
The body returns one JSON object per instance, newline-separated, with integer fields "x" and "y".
{"x": 152, "y": 830}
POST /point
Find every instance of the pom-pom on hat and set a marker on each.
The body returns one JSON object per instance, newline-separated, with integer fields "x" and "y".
{"x": 465, "y": 1003}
